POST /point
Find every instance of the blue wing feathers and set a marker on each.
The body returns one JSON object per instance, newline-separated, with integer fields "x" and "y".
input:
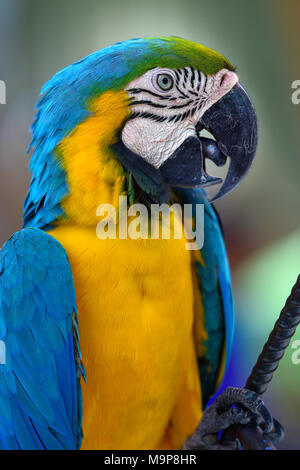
{"x": 40, "y": 395}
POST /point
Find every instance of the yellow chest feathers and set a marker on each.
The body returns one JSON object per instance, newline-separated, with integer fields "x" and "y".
{"x": 135, "y": 305}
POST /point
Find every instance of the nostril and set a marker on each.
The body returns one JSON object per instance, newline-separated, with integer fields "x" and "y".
{"x": 228, "y": 80}
{"x": 223, "y": 79}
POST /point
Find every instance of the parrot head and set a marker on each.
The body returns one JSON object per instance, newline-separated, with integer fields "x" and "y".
{"x": 138, "y": 107}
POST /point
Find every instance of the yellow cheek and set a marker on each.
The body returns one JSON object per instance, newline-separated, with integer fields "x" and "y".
{"x": 93, "y": 175}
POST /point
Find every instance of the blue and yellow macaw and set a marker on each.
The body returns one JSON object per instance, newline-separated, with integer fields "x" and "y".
{"x": 119, "y": 343}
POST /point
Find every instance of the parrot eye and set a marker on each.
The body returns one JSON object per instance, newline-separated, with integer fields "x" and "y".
{"x": 164, "y": 81}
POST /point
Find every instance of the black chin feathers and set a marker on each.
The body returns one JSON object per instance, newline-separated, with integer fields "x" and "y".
{"x": 146, "y": 176}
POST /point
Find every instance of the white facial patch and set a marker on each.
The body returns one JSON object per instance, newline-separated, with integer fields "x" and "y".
{"x": 155, "y": 141}
{"x": 167, "y": 104}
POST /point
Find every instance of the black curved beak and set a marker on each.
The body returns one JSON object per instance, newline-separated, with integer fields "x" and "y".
{"x": 233, "y": 123}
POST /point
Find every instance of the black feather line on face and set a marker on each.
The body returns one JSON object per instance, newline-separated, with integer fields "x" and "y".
{"x": 155, "y": 117}
{"x": 143, "y": 90}
{"x": 150, "y": 103}
{"x": 185, "y": 115}
{"x": 193, "y": 77}
{"x": 145, "y": 115}
{"x": 177, "y": 75}
{"x": 182, "y": 95}
{"x": 205, "y": 84}
{"x": 199, "y": 81}
{"x": 172, "y": 118}
{"x": 186, "y": 72}
{"x": 181, "y": 105}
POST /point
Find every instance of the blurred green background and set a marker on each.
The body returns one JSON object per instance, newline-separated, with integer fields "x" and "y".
{"x": 261, "y": 218}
